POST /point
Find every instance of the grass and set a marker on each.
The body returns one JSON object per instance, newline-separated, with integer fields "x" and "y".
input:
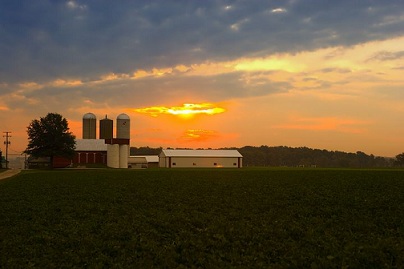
{"x": 214, "y": 218}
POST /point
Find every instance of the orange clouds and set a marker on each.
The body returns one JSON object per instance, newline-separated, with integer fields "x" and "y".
{"x": 269, "y": 64}
{"x": 198, "y": 135}
{"x": 184, "y": 111}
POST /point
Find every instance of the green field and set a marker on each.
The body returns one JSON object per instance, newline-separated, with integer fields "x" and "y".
{"x": 214, "y": 218}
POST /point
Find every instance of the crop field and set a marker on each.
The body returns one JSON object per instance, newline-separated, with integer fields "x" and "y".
{"x": 213, "y": 218}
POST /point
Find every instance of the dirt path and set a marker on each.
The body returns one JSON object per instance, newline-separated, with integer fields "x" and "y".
{"x": 9, "y": 173}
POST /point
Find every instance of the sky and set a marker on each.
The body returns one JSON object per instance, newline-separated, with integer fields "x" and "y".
{"x": 209, "y": 74}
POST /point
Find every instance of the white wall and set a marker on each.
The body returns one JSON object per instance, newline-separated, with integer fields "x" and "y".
{"x": 200, "y": 162}
{"x": 163, "y": 161}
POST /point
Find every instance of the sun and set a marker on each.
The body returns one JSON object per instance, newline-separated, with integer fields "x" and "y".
{"x": 186, "y": 111}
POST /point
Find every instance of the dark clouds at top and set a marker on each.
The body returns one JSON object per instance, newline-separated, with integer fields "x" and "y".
{"x": 44, "y": 40}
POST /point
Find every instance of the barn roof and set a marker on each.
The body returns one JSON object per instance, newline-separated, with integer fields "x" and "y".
{"x": 91, "y": 145}
{"x": 199, "y": 153}
{"x": 148, "y": 158}
{"x": 152, "y": 158}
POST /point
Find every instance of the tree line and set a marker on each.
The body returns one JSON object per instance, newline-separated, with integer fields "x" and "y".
{"x": 301, "y": 156}
{"x": 307, "y": 157}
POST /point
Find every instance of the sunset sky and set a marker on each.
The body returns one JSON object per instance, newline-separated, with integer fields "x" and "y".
{"x": 209, "y": 74}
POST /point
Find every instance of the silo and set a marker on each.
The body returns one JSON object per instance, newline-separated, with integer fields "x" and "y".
{"x": 123, "y": 156}
{"x": 123, "y": 126}
{"x": 106, "y": 128}
{"x": 89, "y": 126}
{"x": 113, "y": 155}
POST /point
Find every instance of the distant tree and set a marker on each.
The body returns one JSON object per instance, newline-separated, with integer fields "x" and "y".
{"x": 400, "y": 159}
{"x": 144, "y": 151}
{"x": 49, "y": 137}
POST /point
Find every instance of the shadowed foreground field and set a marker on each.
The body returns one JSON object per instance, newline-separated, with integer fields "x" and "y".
{"x": 248, "y": 218}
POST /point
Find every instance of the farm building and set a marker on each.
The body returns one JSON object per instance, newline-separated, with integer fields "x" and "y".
{"x": 172, "y": 158}
{"x": 88, "y": 151}
{"x": 147, "y": 161}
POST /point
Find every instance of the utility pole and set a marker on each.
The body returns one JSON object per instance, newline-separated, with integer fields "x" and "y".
{"x": 7, "y": 142}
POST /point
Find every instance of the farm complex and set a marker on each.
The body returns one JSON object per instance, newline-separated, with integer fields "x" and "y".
{"x": 115, "y": 151}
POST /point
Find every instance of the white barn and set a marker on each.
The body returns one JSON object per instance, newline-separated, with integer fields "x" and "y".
{"x": 172, "y": 158}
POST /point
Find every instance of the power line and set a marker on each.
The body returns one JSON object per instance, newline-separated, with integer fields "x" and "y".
{"x": 7, "y": 142}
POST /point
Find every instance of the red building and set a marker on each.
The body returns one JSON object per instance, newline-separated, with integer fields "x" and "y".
{"x": 88, "y": 151}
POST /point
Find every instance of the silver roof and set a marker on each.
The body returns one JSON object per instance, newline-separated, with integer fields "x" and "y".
{"x": 91, "y": 145}
{"x": 89, "y": 116}
{"x": 152, "y": 158}
{"x": 123, "y": 116}
{"x": 148, "y": 158}
{"x": 199, "y": 153}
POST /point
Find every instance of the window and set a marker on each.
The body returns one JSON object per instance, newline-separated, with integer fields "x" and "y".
{"x": 234, "y": 164}
{"x": 174, "y": 164}
{"x": 194, "y": 164}
{"x": 214, "y": 164}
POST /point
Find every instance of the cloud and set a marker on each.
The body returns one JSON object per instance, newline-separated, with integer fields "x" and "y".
{"x": 198, "y": 135}
{"x": 184, "y": 111}
{"x": 278, "y": 10}
{"x": 335, "y": 70}
{"x": 387, "y": 56}
{"x": 268, "y": 64}
{"x": 84, "y": 40}
{"x": 213, "y": 82}
{"x": 75, "y": 5}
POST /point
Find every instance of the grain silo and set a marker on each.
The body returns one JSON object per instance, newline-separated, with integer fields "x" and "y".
{"x": 123, "y": 156}
{"x": 123, "y": 132}
{"x": 118, "y": 148}
{"x": 113, "y": 155}
{"x": 123, "y": 126}
{"x": 106, "y": 128}
{"x": 89, "y": 126}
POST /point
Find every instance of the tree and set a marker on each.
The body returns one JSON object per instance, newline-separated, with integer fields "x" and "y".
{"x": 49, "y": 137}
{"x": 400, "y": 159}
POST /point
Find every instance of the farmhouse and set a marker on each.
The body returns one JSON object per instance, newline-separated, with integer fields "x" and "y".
{"x": 172, "y": 158}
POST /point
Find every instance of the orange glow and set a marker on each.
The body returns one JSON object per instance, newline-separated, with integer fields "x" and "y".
{"x": 185, "y": 111}
{"x": 326, "y": 124}
{"x": 3, "y": 106}
{"x": 198, "y": 135}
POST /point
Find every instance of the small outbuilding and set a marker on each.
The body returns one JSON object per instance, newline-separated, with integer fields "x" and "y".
{"x": 147, "y": 161}
{"x": 172, "y": 158}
